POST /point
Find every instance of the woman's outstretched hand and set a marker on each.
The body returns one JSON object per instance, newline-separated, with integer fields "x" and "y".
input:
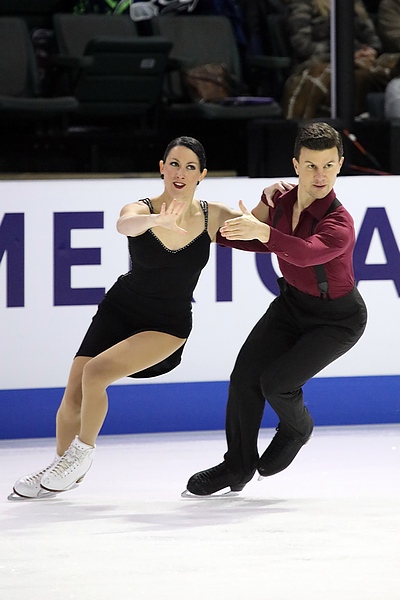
{"x": 169, "y": 216}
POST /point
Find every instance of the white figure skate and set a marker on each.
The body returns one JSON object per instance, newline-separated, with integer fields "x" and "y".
{"x": 28, "y": 487}
{"x": 69, "y": 469}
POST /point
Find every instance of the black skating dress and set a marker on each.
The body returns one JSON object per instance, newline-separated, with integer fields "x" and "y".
{"x": 155, "y": 295}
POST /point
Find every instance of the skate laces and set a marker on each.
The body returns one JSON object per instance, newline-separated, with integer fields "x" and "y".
{"x": 37, "y": 476}
{"x": 33, "y": 477}
{"x": 216, "y": 471}
{"x": 69, "y": 457}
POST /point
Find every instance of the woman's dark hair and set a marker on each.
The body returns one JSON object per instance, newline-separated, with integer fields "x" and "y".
{"x": 318, "y": 136}
{"x": 190, "y": 143}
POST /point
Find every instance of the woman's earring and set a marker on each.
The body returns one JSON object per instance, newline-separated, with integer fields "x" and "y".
{"x": 162, "y": 176}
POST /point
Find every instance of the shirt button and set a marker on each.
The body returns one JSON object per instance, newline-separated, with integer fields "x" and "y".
{"x": 286, "y": 254}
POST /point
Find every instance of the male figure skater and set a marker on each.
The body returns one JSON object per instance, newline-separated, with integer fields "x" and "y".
{"x": 318, "y": 316}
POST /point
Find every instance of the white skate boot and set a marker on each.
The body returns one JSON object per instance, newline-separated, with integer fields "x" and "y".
{"x": 70, "y": 468}
{"x": 29, "y": 485}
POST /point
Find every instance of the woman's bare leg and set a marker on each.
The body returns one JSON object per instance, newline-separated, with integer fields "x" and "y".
{"x": 67, "y": 425}
{"x": 132, "y": 355}
{"x": 68, "y": 420}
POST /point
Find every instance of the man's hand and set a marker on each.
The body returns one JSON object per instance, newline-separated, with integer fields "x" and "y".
{"x": 246, "y": 227}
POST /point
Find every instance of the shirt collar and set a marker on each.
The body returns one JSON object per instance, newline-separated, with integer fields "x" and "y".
{"x": 317, "y": 209}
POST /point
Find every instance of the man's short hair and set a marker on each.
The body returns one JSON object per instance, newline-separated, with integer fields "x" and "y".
{"x": 318, "y": 136}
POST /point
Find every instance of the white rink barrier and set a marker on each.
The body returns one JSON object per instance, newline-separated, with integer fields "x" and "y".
{"x": 60, "y": 251}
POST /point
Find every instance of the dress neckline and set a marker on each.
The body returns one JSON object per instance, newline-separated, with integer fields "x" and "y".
{"x": 204, "y": 207}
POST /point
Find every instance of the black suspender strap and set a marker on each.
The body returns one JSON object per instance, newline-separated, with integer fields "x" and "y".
{"x": 277, "y": 214}
{"x": 320, "y": 271}
{"x": 335, "y": 204}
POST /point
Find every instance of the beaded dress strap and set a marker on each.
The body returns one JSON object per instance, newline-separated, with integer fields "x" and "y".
{"x": 148, "y": 203}
{"x": 204, "y": 207}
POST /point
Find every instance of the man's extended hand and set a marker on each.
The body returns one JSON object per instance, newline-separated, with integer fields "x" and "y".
{"x": 246, "y": 227}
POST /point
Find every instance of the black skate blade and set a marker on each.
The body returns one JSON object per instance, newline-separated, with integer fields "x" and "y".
{"x": 42, "y": 495}
{"x": 220, "y": 494}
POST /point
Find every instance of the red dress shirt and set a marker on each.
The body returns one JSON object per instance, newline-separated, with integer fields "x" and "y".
{"x": 317, "y": 239}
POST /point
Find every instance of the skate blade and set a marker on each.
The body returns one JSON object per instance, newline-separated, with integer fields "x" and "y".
{"x": 42, "y": 495}
{"x": 56, "y": 492}
{"x": 221, "y": 494}
{"x": 71, "y": 487}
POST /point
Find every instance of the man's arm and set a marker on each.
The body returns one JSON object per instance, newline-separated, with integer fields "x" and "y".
{"x": 334, "y": 234}
{"x": 249, "y": 246}
{"x": 253, "y": 226}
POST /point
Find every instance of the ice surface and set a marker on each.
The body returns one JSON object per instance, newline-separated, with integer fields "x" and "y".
{"x": 327, "y": 528}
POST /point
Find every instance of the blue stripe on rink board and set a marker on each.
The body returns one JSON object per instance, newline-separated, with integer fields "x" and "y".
{"x": 200, "y": 406}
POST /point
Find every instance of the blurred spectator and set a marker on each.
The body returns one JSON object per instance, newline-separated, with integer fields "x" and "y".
{"x": 372, "y": 6}
{"x": 389, "y": 25}
{"x": 307, "y": 91}
{"x": 255, "y": 17}
{"x": 227, "y": 8}
{"x": 389, "y": 31}
{"x": 392, "y": 99}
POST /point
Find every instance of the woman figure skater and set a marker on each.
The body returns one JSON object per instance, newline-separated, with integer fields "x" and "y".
{"x": 144, "y": 320}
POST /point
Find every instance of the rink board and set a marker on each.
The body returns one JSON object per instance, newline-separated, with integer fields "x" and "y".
{"x": 201, "y": 406}
{"x": 59, "y": 253}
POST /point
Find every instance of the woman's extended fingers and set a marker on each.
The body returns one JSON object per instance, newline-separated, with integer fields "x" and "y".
{"x": 176, "y": 207}
{"x": 169, "y": 215}
{"x": 282, "y": 186}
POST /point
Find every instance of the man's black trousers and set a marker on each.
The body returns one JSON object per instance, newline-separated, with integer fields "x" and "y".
{"x": 296, "y": 338}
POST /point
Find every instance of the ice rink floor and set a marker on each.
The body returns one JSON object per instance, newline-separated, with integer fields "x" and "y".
{"x": 327, "y": 528}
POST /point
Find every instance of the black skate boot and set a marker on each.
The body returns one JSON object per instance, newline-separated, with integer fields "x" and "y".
{"x": 215, "y": 479}
{"x": 282, "y": 450}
